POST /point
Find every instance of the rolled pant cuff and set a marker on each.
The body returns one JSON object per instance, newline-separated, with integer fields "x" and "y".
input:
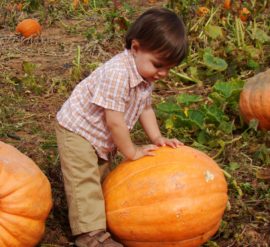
{"x": 89, "y": 228}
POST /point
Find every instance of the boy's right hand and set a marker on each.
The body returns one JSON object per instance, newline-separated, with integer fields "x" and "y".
{"x": 145, "y": 150}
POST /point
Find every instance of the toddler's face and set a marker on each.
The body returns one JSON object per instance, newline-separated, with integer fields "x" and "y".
{"x": 149, "y": 65}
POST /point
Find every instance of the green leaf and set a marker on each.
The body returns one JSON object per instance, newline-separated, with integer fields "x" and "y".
{"x": 193, "y": 71}
{"x": 213, "y": 31}
{"x": 194, "y": 74}
{"x": 217, "y": 98}
{"x": 203, "y": 137}
{"x": 181, "y": 121}
{"x": 253, "y": 52}
{"x": 28, "y": 68}
{"x": 234, "y": 166}
{"x": 226, "y": 127}
{"x": 261, "y": 36}
{"x": 211, "y": 244}
{"x": 229, "y": 89}
{"x": 263, "y": 153}
{"x": 214, "y": 63}
{"x": 168, "y": 107}
{"x": 214, "y": 113}
{"x": 252, "y": 64}
{"x": 253, "y": 124}
{"x": 196, "y": 117}
{"x": 187, "y": 99}
{"x": 169, "y": 125}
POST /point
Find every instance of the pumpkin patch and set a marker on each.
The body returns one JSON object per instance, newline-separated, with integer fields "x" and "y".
{"x": 25, "y": 199}
{"x": 198, "y": 103}
{"x": 175, "y": 198}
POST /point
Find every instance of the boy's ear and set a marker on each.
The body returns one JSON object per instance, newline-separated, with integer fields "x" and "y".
{"x": 135, "y": 45}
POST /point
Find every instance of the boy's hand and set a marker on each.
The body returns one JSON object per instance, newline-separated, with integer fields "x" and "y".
{"x": 163, "y": 141}
{"x": 145, "y": 150}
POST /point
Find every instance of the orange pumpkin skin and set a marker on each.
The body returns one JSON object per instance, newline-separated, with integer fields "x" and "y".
{"x": 244, "y": 14}
{"x": 28, "y": 28}
{"x": 255, "y": 100}
{"x": 202, "y": 11}
{"x": 175, "y": 198}
{"x": 25, "y": 199}
{"x": 227, "y": 4}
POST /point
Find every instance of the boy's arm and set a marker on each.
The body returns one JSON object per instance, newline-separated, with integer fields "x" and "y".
{"x": 121, "y": 137}
{"x": 149, "y": 123}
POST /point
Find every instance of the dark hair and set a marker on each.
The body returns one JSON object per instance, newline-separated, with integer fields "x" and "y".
{"x": 162, "y": 31}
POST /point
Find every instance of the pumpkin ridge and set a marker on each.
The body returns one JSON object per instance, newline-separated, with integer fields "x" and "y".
{"x": 244, "y": 103}
{"x": 111, "y": 188}
{"x": 265, "y": 103}
{"x": 133, "y": 174}
{"x": 24, "y": 239}
{"x": 10, "y": 193}
{"x": 7, "y": 230}
{"x": 161, "y": 201}
{"x": 34, "y": 218}
{"x": 266, "y": 96}
{"x": 214, "y": 228}
{"x": 254, "y": 100}
{"x": 257, "y": 101}
{"x": 248, "y": 95}
{"x": 166, "y": 198}
{"x": 22, "y": 216}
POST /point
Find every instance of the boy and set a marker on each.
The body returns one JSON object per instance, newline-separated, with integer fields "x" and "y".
{"x": 103, "y": 108}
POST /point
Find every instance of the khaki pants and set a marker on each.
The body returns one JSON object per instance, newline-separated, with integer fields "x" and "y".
{"x": 82, "y": 179}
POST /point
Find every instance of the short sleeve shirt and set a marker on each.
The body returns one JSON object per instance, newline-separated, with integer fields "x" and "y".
{"x": 115, "y": 85}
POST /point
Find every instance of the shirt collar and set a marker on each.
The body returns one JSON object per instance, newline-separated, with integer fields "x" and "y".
{"x": 135, "y": 77}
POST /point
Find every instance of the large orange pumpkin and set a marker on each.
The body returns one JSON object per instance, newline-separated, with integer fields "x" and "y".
{"x": 28, "y": 28}
{"x": 175, "y": 198}
{"x": 255, "y": 99}
{"x": 25, "y": 199}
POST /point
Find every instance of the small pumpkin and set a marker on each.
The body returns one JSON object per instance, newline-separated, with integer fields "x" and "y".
{"x": 29, "y": 28}
{"x": 75, "y": 3}
{"x": 175, "y": 198}
{"x": 244, "y": 14}
{"x": 255, "y": 99}
{"x": 14, "y": 7}
{"x": 25, "y": 199}
{"x": 19, "y": 6}
{"x": 202, "y": 11}
{"x": 227, "y": 4}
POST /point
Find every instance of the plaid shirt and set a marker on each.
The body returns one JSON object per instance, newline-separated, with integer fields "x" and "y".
{"x": 115, "y": 85}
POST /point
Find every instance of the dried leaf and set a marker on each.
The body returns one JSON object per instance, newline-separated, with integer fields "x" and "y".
{"x": 263, "y": 173}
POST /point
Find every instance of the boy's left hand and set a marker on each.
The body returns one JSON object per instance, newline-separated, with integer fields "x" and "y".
{"x": 163, "y": 141}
